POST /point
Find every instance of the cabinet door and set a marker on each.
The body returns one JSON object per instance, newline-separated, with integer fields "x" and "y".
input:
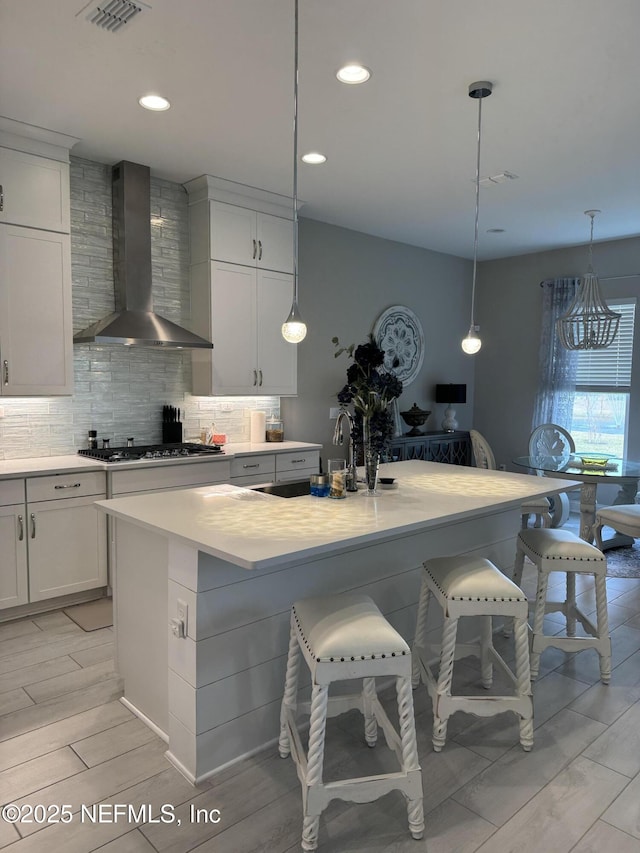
{"x": 14, "y": 588}
{"x": 35, "y": 312}
{"x": 35, "y": 190}
{"x": 275, "y": 243}
{"x": 277, "y": 359}
{"x": 233, "y": 234}
{"x": 67, "y": 541}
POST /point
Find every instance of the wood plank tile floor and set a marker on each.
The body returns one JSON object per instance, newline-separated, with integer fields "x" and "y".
{"x": 65, "y": 739}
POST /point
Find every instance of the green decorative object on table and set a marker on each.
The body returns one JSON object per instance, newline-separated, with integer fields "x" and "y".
{"x": 369, "y": 389}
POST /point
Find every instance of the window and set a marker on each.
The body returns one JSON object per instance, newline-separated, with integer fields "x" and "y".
{"x": 603, "y": 384}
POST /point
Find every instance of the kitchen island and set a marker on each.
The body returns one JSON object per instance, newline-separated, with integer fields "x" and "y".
{"x": 205, "y": 578}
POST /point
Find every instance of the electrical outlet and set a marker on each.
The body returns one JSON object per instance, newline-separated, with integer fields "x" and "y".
{"x": 177, "y": 628}
{"x": 182, "y": 610}
{"x": 334, "y": 411}
{"x": 226, "y": 407}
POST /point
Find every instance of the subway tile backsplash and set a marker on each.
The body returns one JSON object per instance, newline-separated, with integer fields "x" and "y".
{"x": 120, "y": 391}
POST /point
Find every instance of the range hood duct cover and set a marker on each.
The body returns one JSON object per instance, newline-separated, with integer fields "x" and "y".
{"x": 134, "y": 323}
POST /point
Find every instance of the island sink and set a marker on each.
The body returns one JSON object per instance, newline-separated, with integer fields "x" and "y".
{"x": 291, "y": 489}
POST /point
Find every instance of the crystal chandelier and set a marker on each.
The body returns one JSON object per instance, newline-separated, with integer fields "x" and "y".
{"x": 294, "y": 328}
{"x": 589, "y": 323}
{"x": 472, "y": 343}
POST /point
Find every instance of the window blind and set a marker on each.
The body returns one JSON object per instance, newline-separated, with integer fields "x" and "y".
{"x": 610, "y": 369}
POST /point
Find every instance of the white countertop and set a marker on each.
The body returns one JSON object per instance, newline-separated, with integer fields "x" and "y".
{"x": 254, "y": 530}
{"x": 35, "y": 466}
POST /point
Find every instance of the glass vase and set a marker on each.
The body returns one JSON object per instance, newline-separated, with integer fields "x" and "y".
{"x": 371, "y": 460}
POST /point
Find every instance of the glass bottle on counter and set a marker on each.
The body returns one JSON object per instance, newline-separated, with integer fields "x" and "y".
{"x": 92, "y": 439}
{"x": 274, "y": 430}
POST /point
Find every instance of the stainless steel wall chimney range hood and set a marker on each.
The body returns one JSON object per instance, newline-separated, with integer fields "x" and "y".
{"x": 134, "y": 322}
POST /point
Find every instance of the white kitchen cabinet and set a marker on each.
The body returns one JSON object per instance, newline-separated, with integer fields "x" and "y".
{"x": 242, "y": 236}
{"x": 252, "y": 469}
{"x": 14, "y": 585}
{"x": 242, "y": 311}
{"x": 297, "y": 465}
{"x": 36, "y": 335}
{"x": 52, "y": 544}
{"x": 34, "y": 191}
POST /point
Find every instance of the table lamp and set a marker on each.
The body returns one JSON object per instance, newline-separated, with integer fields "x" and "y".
{"x": 450, "y": 394}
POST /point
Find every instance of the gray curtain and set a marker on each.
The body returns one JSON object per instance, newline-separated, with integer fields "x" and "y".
{"x": 557, "y": 365}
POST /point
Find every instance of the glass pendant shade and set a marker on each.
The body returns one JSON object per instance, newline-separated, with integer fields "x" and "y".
{"x": 294, "y": 329}
{"x": 589, "y": 323}
{"x": 472, "y": 343}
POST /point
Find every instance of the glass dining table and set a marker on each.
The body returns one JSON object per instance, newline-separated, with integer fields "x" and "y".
{"x": 590, "y": 473}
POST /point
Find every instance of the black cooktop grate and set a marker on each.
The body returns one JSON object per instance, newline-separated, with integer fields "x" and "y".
{"x": 150, "y": 451}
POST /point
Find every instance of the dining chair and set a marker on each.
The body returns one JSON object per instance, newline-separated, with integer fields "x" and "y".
{"x": 624, "y": 518}
{"x": 553, "y": 440}
{"x": 484, "y": 458}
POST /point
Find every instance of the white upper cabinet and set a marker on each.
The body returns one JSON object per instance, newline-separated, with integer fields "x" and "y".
{"x": 35, "y": 191}
{"x": 241, "y": 289}
{"x": 36, "y": 332}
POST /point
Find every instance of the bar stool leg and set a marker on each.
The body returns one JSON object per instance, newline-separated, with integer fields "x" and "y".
{"x": 602, "y": 621}
{"x": 370, "y": 722}
{"x": 408, "y": 742}
{"x": 290, "y": 698}
{"x": 570, "y": 604}
{"x": 312, "y": 804}
{"x": 538, "y": 620}
{"x": 486, "y": 644}
{"x": 445, "y": 675}
{"x": 518, "y": 568}
{"x": 523, "y": 678}
{"x": 421, "y": 633}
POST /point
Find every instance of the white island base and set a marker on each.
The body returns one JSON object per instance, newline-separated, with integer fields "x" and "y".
{"x": 238, "y": 560}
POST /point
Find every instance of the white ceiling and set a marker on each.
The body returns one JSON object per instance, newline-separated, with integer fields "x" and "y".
{"x": 564, "y": 115}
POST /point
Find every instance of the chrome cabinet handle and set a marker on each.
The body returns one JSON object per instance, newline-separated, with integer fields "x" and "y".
{"x": 255, "y": 250}
{"x": 6, "y": 372}
{"x": 255, "y": 376}
{"x": 255, "y": 465}
{"x": 260, "y": 372}
{"x": 20, "y": 528}
{"x": 260, "y": 252}
{"x": 33, "y": 525}
{"x": 1, "y": 197}
{"x": 69, "y": 486}
{"x": 294, "y": 461}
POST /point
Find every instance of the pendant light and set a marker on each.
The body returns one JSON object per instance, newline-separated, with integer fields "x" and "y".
{"x": 472, "y": 343}
{"x": 294, "y": 328}
{"x": 589, "y": 323}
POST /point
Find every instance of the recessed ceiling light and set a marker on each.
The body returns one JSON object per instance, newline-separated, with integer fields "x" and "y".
{"x": 154, "y": 102}
{"x": 353, "y": 73}
{"x": 314, "y": 158}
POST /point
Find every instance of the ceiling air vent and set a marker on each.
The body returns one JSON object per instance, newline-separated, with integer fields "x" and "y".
{"x": 112, "y": 15}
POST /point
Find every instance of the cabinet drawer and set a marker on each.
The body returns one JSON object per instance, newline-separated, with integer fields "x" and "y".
{"x": 58, "y": 486}
{"x": 297, "y": 460}
{"x": 178, "y": 476}
{"x": 254, "y": 465}
{"x": 11, "y": 492}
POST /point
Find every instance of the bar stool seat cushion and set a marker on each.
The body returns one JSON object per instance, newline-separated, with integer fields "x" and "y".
{"x": 555, "y": 544}
{"x": 623, "y": 514}
{"x": 471, "y": 579}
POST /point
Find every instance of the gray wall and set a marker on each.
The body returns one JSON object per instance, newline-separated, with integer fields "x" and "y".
{"x": 346, "y": 280}
{"x": 509, "y": 306}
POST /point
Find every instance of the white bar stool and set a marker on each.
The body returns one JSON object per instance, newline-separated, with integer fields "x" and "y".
{"x": 562, "y": 551}
{"x": 472, "y": 586}
{"x": 344, "y": 637}
{"x": 624, "y": 518}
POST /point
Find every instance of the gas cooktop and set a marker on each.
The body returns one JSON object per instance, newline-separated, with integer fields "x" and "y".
{"x": 150, "y": 451}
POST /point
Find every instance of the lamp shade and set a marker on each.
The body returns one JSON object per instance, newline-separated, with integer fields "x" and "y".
{"x": 451, "y": 393}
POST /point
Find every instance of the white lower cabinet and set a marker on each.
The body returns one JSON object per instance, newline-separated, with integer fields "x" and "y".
{"x": 51, "y": 544}
{"x": 274, "y": 467}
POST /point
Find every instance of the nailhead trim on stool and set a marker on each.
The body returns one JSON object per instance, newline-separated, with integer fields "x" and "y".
{"x": 562, "y": 551}
{"x": 343, "y": 637}
{"x": 472, "y": 586}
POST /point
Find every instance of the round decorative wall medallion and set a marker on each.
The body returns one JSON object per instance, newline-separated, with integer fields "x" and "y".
{"x": 399, "y": 333}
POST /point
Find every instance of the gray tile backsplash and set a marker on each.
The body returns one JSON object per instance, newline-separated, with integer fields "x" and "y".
{"x": 120, "y": 391}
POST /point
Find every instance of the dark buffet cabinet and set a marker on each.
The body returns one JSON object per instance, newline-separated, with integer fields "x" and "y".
{"x": 451, "y": 447}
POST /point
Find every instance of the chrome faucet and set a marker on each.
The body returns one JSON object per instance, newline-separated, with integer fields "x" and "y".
{"x": 338, "y": 438}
